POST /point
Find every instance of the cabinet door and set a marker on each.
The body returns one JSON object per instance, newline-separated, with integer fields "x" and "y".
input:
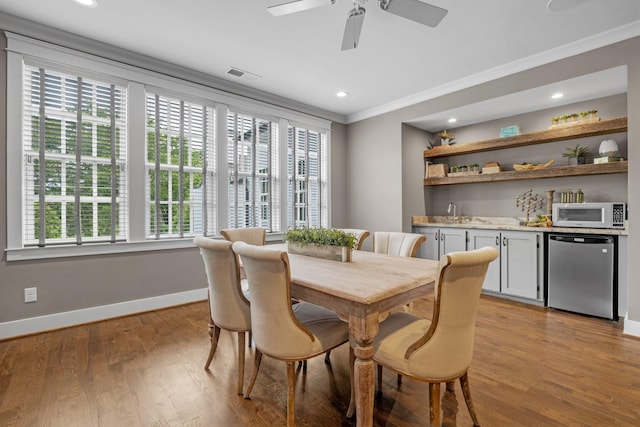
{"x": 429, "y": 248}
{"x": 452, "y": 240}
{"x": 480, "y": 239}
{"x": 520, "y": 264}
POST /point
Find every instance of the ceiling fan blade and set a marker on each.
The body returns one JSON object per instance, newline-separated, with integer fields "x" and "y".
{"x": 353, "y": 28}
{"x": 417, "y": 11}
{"x": 297, "y": 6}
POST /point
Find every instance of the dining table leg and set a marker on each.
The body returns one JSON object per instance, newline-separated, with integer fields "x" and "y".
{"x": 363, "y": 330}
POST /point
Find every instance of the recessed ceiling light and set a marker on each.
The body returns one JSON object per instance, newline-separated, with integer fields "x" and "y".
{"x": 88, "y": 3}
{"x": 342, "y": 94}
{"x": 557, "y": 95}
{"x": 453, "y": 120}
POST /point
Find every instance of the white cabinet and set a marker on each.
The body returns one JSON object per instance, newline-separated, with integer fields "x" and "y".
{"x": 518, "y": 271}
{"x": 441, "y": 241}
{"x": 480, "y": 239}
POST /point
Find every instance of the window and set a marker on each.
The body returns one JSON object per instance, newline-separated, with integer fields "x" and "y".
{"x": 307, "y": 178}
{"x": 105, "y": 157}
{"x": 252, "y": 148}
{"x": 74, "y": 159}
{"x": 180, "y": 162}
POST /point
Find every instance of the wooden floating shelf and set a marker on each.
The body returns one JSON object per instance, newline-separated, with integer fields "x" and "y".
{"x": 541, "y": 137}
{"x": 551, "y": 172}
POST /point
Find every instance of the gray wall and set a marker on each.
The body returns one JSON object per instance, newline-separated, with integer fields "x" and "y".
{"x": 338, "y": 175}
{"x": 376, "y": 186}
{"x": 633, "y": 105}
{"x": 76, "y": 283}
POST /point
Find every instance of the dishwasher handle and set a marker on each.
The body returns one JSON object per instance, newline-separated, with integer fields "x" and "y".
{"x": 581, "y": 239}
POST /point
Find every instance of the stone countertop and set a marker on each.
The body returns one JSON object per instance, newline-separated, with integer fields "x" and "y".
{"x": 505, "y": 223}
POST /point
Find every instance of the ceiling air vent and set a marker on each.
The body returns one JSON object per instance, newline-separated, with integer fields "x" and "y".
{"x": 243, "y": 74}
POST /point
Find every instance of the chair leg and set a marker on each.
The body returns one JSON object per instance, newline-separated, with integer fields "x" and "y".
{"x": 352, "y": 400}
{"x": 241, "y": 338}
{"x": 291, "y": 393}
{"x": 466, "y": 391}
{"x": 399, "y": 380}
{"x": 256, "y": 366}
{"x": 250, "y": 339}
{"x": 327, "y": 357}
{"x": 214, "y": 333}
{"x": 434, "y": 404}
{"x": 379, "y": 379}
{"x": 449, "y": 406}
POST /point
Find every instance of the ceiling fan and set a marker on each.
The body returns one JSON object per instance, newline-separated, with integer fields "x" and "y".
{"x": 415, "y": 10}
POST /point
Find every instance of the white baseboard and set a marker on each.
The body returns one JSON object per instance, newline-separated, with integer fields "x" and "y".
{"x": 632, "y": 327}
{"x": 70, "y": 318}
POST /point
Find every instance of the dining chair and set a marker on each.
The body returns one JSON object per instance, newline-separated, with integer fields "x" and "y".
{"x": 361, "y": 235}
{"x": 280, "y": 330}
{"x": 253, "y": 236}
{"x": 438, "y": 350}
{"x": 229, "y": 309}
{"x": 397, "y": 243}
{"x": 250, "y": 235}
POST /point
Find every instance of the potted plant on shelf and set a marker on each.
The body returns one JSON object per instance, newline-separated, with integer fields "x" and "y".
{"x": 576, "y": 155}
{"x": 327, "y": 243}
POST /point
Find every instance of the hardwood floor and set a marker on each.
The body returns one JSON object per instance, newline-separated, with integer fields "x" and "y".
{"x": 531, "y": 367}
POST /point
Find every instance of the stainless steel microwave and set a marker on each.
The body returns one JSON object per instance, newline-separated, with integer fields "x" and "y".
{"x": 589, "y": 215}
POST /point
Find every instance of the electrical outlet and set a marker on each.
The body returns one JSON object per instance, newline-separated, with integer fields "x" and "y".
{"x": 30, "y": 295}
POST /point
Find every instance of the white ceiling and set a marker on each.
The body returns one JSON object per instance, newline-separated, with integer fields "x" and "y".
{"x": 298, "y": 56}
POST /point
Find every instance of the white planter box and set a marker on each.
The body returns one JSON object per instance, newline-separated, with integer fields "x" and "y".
{"x": 336, "y": 253}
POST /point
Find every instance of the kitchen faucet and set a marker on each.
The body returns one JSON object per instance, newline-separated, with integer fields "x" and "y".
{"x": 451, "y": 204}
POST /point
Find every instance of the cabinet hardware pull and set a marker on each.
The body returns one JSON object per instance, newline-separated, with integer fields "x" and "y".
{"x": 504, "y": 241}
{"x": 497, "y": 240}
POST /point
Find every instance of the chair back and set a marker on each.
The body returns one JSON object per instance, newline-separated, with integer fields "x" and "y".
{"x": 396, "y": 243}
{"x": 228, "y": 307}
{"x": 250, "y": 235}
{"x": 445, "y": 351}
{"x": 276, "y": 330}
{"x": 361, "y": 235}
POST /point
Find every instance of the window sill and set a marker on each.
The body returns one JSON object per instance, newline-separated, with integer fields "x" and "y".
{"x": 34, "y": 253}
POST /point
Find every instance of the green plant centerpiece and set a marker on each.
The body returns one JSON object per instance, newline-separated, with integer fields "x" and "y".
{"x": 327, "y": 243}
{"x": 577, "y": 155}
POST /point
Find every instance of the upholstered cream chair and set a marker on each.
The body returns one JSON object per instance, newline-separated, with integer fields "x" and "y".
{"x": 228, "y": 306}
{"x": 280, "y": 330}
{"x": 361, "y": 235}
{"x": 396, "y": 243}
{"x": 438, "y": 350}
{"x": 250, "y": 235}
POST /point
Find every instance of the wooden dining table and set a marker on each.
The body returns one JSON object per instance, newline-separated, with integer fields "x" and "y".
{"x": 360, "y": 292}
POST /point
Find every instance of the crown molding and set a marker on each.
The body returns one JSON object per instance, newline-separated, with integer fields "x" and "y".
{"x": 65, "y": 39}
{"x": 561, "y": 52}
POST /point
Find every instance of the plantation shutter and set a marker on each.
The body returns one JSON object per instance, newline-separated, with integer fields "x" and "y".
{"x": 254, "y": 196}
{"x": 180, "y": 160}
{"x": 307, "y": 189}
{"x": 74, "y": 151}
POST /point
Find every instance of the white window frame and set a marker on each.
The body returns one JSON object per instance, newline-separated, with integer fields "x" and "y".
{"x": 21, "y": 48}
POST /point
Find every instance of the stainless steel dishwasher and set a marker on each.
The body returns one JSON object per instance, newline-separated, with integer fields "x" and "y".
{"x": 582, "y": 275}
